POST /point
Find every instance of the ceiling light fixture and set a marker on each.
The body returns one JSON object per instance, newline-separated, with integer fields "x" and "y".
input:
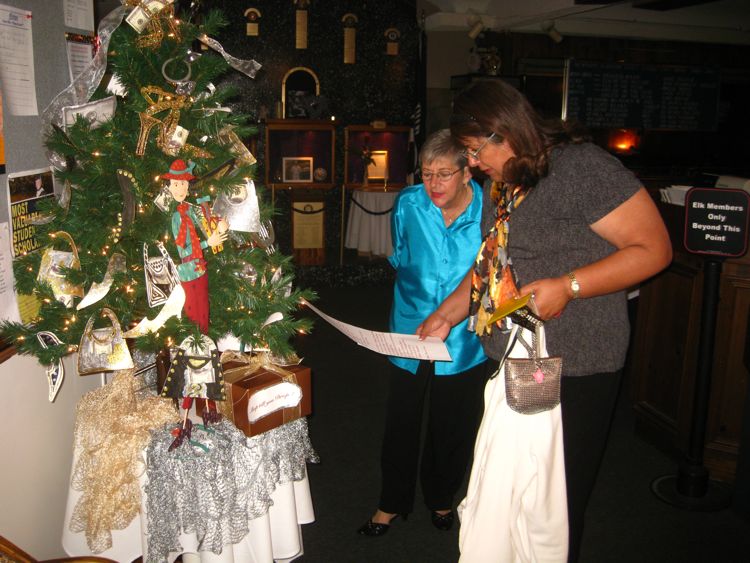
{"x": 551, "y": 31}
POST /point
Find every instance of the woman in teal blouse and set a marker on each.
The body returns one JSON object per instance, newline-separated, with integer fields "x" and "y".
{"x": 436, "y": 235}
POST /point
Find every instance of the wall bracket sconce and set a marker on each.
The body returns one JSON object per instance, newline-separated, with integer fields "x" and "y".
{"x": 252, "y": 28}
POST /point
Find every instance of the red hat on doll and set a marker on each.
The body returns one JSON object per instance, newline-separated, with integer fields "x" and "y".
{"x": 180, "y": 171}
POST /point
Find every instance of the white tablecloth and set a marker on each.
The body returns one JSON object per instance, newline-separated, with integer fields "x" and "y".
{"x": 275, "y": 536}
{"x": 370, "y": 234}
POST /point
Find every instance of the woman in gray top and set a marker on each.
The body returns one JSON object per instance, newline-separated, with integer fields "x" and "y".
{"x": 579, "y": 229}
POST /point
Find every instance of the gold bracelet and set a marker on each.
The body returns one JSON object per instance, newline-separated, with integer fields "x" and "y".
{"x": 575, "y": 287}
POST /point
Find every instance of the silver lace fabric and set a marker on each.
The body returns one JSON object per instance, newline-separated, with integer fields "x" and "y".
{"x": 214, "y": 493}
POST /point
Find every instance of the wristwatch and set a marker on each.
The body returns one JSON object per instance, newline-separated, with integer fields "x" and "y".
{"x": 575, "y": 287}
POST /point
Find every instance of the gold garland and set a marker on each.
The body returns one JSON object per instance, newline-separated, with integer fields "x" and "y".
{"x": 112, "y": 428}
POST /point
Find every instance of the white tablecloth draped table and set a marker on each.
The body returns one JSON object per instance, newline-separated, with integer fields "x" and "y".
{"x": 368, "y": 233}
{"x": 274, "y": 536}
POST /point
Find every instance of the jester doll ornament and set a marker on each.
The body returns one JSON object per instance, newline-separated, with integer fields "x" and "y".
{"x": 188, "y": 221}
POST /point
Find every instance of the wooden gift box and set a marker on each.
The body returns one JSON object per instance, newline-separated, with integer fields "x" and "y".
{"x": 240, "y": 386}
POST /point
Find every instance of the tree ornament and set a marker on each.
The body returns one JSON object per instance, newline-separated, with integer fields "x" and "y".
{"x": 161, "y": 275}
{"x": 52, "y": 266}
{"x": 172, "y": 308}
{"x": 163, "y": 101}
{"x": 186, "y": 221}
{"x": 98, "y": 290}
{"x": 240, "y": 208}
{"x": 103, "y": 349}
{"x": 56, "y": 371}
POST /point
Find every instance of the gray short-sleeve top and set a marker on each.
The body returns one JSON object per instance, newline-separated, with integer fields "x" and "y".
{"x": 550, "y": 235}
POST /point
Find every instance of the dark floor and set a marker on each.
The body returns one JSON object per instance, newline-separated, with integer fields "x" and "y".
{"x": 625, "y": 521}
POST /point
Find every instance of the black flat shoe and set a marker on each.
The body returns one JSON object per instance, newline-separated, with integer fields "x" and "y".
{"x": 374, "y": 529}
{"x": 442, "y": 521}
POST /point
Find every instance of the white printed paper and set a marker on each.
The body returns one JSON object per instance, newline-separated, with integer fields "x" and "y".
{"x": 8, "y": 305}
{"x": 17, "y": 61}
{"x": 391, "y": 343}
{"x": 80, "y": 55}
{"x": 79, "y": 14}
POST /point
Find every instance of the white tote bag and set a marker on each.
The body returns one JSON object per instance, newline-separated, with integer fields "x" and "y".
{"x": 515, "y": 508}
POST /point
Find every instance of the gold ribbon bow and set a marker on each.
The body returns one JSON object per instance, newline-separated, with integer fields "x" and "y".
{"x": 249, "y": 364}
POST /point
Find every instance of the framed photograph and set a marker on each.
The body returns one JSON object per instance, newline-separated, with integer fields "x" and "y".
{"x": 297, "y": 169}
{"x": 378, "y": 168}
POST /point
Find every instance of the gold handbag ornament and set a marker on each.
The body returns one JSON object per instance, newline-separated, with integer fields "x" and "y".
{"x": 51, "y": 270}
{"x": 532, "y": 384}
{"x": 161, "y": 275}
{"x": 103, "y": 349}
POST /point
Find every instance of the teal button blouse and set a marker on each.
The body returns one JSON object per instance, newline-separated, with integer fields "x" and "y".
{"x": 430, "y": 261}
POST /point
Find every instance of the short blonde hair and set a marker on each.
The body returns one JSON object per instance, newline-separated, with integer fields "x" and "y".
{"x": 442, "y": 145}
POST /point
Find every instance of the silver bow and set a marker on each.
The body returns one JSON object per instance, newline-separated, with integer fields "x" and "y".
{"x": 247, "y": 67}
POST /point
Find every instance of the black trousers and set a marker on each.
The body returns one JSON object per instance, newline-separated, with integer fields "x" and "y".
{"x": 588, "y": 403}
{"x": 454, "y": 411}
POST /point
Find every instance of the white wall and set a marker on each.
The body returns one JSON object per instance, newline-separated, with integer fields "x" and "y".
{"x": 36, "y": 440}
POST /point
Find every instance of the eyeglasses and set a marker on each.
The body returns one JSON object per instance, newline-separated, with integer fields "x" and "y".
{"x": 474, "y": 155}
{"x": 441, "y": 175}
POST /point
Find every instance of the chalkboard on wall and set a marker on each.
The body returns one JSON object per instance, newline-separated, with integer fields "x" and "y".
{"x": 611, "y": 95}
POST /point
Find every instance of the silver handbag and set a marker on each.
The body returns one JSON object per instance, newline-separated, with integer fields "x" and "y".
{"x": 161, "y": 275}
{"x": 103, "y": 349}
{"x": 239, "y": 209}
{"x": 532, "y": 384}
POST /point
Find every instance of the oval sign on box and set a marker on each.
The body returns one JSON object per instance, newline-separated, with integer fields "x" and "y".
{"x": 271, "y": 399}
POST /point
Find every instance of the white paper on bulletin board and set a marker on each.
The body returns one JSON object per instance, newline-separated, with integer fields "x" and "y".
{"x": 8, "y": 305}
{"x": 17, "y": 61}
{"x": 307, "y": 224}
{"x": 79, "y": 14}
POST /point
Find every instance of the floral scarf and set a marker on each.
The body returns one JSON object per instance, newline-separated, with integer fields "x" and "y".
{"x": 493, "y": 281}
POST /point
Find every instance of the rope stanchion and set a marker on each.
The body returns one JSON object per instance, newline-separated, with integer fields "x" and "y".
{"x": 369, "y": 212}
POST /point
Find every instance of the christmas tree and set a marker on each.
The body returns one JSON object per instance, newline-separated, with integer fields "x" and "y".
{"x": 159, "y": 165}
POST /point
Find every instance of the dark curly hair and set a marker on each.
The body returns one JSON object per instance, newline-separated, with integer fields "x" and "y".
{"x": 494, "y": 106}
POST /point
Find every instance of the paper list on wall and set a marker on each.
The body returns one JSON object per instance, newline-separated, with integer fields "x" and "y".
{"x": 390, "y": 343}
{"x": 17, "y": 61}
{"x": 8, "y": 306}
{"x": 79, "y": 14}
{"x": 80, "y": 55}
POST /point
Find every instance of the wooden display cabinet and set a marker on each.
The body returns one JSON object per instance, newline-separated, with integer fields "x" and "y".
{"x": 300, "y": 153}
{"x": 390, "y": 147}
{"x": 301, "y": 156}
{"x": 665, "y": 348}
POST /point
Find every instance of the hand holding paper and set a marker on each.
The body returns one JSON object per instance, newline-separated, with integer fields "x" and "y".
{"x": 389, "y": 343}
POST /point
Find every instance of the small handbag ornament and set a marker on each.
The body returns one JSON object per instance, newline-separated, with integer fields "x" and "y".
{"x": 103, "y": 349}
{"x": 161, "y": 275}
{"x": 195, "y": 371}
{"x": 240, "y": 209}
{"x": 532, "y": 385}
{"x": 51, "y": 270}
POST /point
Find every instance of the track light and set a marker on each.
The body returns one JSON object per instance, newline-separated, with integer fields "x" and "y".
{"x": 551, "y": 31}
{"x": 476, "y": 29}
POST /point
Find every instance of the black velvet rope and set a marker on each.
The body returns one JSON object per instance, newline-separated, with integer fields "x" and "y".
{"x": 355, "y": 202}
{"x": 304, "y": 212}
